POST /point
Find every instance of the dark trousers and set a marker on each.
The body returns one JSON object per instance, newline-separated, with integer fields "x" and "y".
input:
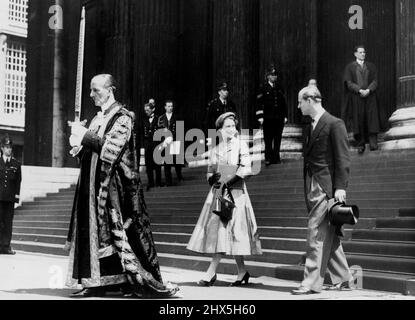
{"x": 167, "y": 172}
{"x": 272, "y": 137}
{"x": 152, "y": 167}
{"x": 365, "y": 135}
{"x": 6, "y": 224}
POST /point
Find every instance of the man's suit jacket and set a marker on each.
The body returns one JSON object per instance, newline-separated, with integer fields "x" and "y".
{"x": 10, "y": 178}
{"x": 148, "y": 131}
{"x": 326, "y": 153}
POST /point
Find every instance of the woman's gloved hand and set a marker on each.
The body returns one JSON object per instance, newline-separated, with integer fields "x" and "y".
{"x": 234, "y": 179}
{"x": 214, "y": 180}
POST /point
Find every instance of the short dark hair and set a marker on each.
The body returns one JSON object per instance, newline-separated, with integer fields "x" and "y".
{"x": 168, "y": 101}
{"x": 359, "y": 46}
{"x": 150, "y": 105}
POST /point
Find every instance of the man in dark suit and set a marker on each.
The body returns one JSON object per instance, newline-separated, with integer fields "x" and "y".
{"x": 271, "y": 114}
{"x": 167, "y": 121}
{"x": 218, "y": 106}
{"x": 10, "y": 178}
{"x": 149, "y": 127}
{"x": 326, "y": 174}
{"x": 360, "y": 106}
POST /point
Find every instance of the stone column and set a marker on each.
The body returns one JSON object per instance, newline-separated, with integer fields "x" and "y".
{"x": 3, "y": 50}
{"x": 402, "y": 132}
{"x": 235, "y": 52}
{"x": 59, "y": 146}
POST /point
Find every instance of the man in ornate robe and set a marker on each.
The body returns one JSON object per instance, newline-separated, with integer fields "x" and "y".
{"x": 110, "y": 240}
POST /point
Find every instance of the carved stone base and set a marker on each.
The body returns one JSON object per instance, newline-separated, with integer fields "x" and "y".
{"x": 402, "y": 132}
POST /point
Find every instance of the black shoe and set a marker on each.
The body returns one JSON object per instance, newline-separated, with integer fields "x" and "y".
{"x": 302, "y": 291}
{"x": 342, "y": 286}
{"x": 204, "y": 283}
{"x": 361, "y": 149}
{"x": 149, "y": 187}
{"x": 8, "y": 251}
{"x": 238, "y": 283}
{"x": 374, "y": 148}
{"x": 88, "y": 292}
{"x": 267, "y": 163}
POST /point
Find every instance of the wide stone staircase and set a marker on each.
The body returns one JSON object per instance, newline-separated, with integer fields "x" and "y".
{"x": 381, "y": 245}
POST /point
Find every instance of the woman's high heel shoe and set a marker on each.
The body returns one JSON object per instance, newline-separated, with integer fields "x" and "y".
{"x": 209, "y": 283}
{"x": 238, "y": 283}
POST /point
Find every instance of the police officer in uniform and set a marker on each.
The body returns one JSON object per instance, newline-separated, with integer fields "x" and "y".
{"x": 218, "y": 106}
{"x": 149, "y": 127}
{"x": 272, "y": 114}
{"x": 10, "y": 178}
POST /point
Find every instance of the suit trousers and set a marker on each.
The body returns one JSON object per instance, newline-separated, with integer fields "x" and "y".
{"x": 152, "y": 167}
{"x": 273, "y": 129}
{"x": 6, "y": 224}
{"x": 167, "y": 171}
{"x": 324, "y": 249}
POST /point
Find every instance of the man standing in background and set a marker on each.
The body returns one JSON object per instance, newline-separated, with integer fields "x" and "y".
{"x": 360, "y": 106}
{"x": 149, "y": 127}
{"x": 272, "y": 115}
{"x": 10, "y": 179}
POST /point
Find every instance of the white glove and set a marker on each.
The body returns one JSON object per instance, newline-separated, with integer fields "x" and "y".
{"x": 261, "y": 121}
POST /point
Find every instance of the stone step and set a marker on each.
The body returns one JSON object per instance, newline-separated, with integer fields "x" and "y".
{"x": 380, "y": 200}
{"x": 297, "y": 172}
{"x": 374, "y": 280}
{"x": 45, "y": 217}
{"x": 64, "y": 213}
{"x": 200, "y": 196}
{"x": 256, "y": 188}
{"x": 291, "y": 257}
{"x": 165, "y": 219}
{"x": 40, "y": 230}
{"x": 407, "y": 212}
{"x": 298, "y": 204}
{"x": 290, "y": 181}
{"x": 43, "y": 238}
{"x": 397, "y": 222}
{"x": 387, "y": 234}
{"x": 402, "y": 249}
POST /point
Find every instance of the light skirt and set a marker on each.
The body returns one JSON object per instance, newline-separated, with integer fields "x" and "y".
{"x": 237, "y": 237}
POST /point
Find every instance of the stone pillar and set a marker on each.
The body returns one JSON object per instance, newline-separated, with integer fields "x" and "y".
{"x": 402, "y": 132}
{"x": 59, "y": 146}
{"x": 235, "y": 52}
{"x": 3, "y": 50}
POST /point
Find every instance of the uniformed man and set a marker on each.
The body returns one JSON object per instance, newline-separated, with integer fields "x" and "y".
{"x": 218, "y": 106}
{"x": 272, "y": 115}
{"x": 167, "y": 121}
{"x": 10, "y": 178}
{"x": 149, "y": 127}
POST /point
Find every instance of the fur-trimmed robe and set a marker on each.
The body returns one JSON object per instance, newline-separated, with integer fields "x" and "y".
{"x": 109, "y": 236}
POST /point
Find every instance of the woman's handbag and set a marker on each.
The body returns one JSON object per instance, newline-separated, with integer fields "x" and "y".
{"x": 224, "y": 207}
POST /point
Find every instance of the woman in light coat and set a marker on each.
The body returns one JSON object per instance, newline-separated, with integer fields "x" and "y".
{"x": 239, "y": 236}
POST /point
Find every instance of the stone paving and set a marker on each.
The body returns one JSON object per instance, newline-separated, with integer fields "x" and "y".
{"x": 31, "y": 276}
